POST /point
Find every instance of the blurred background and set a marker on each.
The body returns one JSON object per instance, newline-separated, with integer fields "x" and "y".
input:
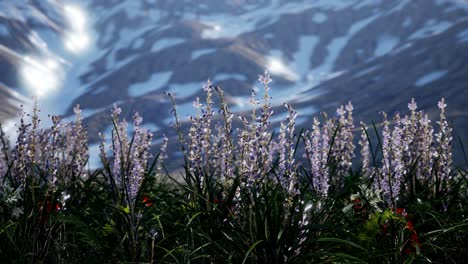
{"x": 321, "y": 53}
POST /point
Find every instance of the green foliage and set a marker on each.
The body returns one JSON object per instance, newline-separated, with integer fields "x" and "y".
{"x": 267, "y": 209}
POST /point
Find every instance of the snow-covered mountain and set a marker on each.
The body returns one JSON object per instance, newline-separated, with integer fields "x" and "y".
{"x": 322, "y": 53}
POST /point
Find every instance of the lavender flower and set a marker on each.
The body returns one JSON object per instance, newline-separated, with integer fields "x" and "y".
{"x": 120, "y": 146}
{"x": 398, "y": 168}
{"x": 162, "y": 154}
{"x": 316, "y": 147}
{"x": 385, "y": 180}
{"x": 77, "y": 145}
{"x": 20, "y": 152}
{"x": 140, "y": 155}
{"x": 343, "y": 147}
{"x": 286, "y": 146}
{"x": 444, "y": 154}
{"x": 364, "y": 143}
{"x": 226, "y": 151}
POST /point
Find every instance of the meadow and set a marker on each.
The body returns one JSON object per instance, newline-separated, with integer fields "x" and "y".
{"x": 333, "y": 192}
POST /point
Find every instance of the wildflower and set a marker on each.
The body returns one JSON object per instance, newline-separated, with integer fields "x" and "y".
{"x": 398, "y": 168}
{"x": 147, "y": 201}
{"x": 316, "y": 146}
{"x": 364, "y": 143}
{"x": 444, "y": 154}
{"x": 120, "y": 146}
{"x": 385, "y": 179}
{"x": 265, "y": 78}
{"x": 139, "y": 157}
{"x": 343, "y": 148}
{"x": 287, "y": 163}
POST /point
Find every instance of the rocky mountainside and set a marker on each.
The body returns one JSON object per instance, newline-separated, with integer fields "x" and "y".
{"x": 322, "y": 53}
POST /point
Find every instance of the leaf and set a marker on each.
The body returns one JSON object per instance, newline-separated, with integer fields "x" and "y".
{"x": 341, "y": 241}
{"x": 252, "y": 247}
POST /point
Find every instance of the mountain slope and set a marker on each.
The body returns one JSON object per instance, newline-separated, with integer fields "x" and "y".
{"x": 379, "y": 54}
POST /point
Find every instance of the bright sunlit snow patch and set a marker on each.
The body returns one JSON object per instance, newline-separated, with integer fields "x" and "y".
{"x": 215, "y": 31}
{"x": 77, "y": 40}
{"x": 277, "y": 67}
{"x": 41, "y": 77}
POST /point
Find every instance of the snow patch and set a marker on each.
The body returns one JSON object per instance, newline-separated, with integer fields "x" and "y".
{"x": 338, "y": 44}
{"x": 276, "y": 66}
{"x": 367, "y": 3}
{"x": 367, "y": 71}
{"x": 77, "y": 39}
{"x": 99, "y": 90}
{"x": 4, "y": 30}
{"x": 408, "y": 21}
{"x": 463, "y": 36}
{"x": 385, "y": 44}
{"x": 319, "y": 18}
{"x": 430, "y": 77}
{"x": 304, "y": 54}
{"x": 183, "y": 90}
{"x": 138, "y": 43}
{"x": 229, "y": 76}
{"x": 198, "y": 53}
{"x": 399, "y": 6}
{"x": 156, "y": 81}
{"x": 432, "y": 27}
{"x": 166, "y": 43}
{"x": 229, "y": 26}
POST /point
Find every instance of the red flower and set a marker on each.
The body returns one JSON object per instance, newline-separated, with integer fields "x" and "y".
{"x": 410, "y": 225}
{"x": 147, "y": 201}
{"x": 47, "y": 208}
{"x": 401, "y": 211}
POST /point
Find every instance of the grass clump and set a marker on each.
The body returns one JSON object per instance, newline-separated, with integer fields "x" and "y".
{"x": 246, "y": 195}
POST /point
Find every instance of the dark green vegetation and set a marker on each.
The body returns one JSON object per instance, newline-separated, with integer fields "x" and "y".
{"x": 245, "y": 195}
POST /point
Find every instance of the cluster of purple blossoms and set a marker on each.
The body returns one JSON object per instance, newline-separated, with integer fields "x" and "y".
{"x": 286, "y": 149}
{"x": 391, "y": 173}
{"x": 130, "y": 156}
{"x": 77, "y": 152}
{"x": 45, "y": 157}
{"x": 409, "y": 143}
{"x": 252, "y": 153}
{"x": 226, "y": 144}
{"x": 139, "y": 157}
{"x": 343, "y": 147}
{"x": 328, "y": 145}
{"x": 444, "y": 153}
{"x": 317, "y": 144}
